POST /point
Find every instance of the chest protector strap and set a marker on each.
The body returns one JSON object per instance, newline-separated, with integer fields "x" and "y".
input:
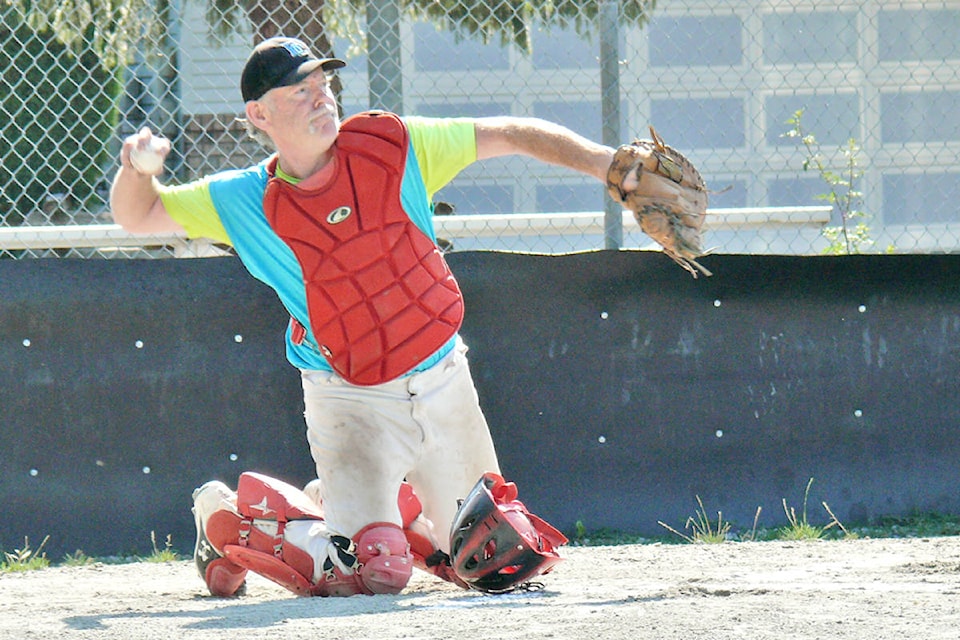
{"x": 381, "y": 298}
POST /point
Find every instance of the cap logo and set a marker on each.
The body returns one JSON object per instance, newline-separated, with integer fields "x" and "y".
{"x": 297, "y": 49}
{"x": 338, "y": 215}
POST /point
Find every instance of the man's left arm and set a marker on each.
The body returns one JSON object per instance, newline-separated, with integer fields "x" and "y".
{"x": 543, "y": 140}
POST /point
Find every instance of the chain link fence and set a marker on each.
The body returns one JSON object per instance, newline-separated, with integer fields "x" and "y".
{"x": 820, "y": 126}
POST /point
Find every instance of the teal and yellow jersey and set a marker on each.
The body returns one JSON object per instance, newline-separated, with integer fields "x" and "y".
{"x": 227, "y": 207}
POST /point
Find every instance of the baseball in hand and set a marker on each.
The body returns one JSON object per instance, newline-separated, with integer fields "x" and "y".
{"x": 148, "y": 160}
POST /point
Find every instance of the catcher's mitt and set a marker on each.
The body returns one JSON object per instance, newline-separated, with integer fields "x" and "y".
{"x": 669, "y": 199}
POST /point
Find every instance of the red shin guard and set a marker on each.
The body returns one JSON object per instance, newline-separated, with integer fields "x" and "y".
{"x": 224, "y": 578}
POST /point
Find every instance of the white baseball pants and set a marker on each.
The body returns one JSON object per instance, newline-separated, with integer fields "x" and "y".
{"x": 427, "y": 428}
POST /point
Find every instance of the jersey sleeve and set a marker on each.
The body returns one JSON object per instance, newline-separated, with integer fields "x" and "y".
{"x": 191, "y": 205}
{"x": 443, "y": 146}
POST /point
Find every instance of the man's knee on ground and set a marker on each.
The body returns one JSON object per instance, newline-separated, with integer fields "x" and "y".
{"x": 386, "y": 563}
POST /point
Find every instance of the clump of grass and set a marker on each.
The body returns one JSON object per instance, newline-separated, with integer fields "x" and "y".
{"x": 26, "y": 559}
{"x": 77, "y": 559}
{"x": 702, "y": 529}
{"x": 913, "y": 525}
{"x": 834, "y": 521}
{"x": 167, "y": 554}
{"x": 581, "y": 532}
{"x": 800, "y": 528}
{"x": 752, "y": 536}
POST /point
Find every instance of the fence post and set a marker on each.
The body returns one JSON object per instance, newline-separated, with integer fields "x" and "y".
{"x": 171, "y": 98}
{"x": 383, "y": 55}
{"x": 610, "y": 100}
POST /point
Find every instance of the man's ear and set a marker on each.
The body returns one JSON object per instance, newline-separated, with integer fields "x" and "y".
{"x": 256, "y": 113}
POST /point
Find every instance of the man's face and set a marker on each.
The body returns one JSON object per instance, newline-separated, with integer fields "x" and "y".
{"x": 304, "y": 113}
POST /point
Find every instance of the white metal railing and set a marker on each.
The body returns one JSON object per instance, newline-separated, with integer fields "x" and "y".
{"x": 112, "y": 236}
{"x": 590, "y": 222}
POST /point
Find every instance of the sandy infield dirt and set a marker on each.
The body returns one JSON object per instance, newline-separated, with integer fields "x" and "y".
{"x": 852, "y": 589}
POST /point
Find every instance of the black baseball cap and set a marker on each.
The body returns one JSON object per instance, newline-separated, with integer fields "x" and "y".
{"x": 280, "y": 62}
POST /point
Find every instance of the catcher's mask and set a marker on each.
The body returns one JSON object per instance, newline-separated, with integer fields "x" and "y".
{"x": 496, "y": 545}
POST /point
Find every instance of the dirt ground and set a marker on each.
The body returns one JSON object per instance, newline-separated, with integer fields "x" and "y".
{"x": 853, "y": 589}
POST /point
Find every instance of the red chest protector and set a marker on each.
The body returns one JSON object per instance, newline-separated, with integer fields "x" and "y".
{"x": 381, "y": 298}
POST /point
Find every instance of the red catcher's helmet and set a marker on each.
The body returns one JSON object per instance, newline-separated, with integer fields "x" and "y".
{"x": 495, "y": 543}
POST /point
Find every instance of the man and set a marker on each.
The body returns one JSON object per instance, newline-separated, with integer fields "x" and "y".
{"x": 339, "y": 222}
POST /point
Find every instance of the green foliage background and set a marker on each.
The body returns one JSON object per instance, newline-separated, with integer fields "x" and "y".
{"x": 506, "y": 21}
{"x": 62, "y": 61}
{"x": 59, "y": 110}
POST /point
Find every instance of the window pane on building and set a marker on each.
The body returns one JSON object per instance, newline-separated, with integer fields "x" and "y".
{"x": 696, "y": 41}
{"x": 444, "y": 51}
{"x": 923, "y": 116}
{"x": 558, "y": 48}
{"x": 699, "y": 122}
{"x": 919, "y": 34}
{"x": 805, "y": 38}
{"x": 921, "y": 198}
{"x": 797, "y": 192}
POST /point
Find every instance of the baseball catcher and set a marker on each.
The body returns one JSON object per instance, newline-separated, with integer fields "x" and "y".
{"x": 339, "y": 221}
{"x": 667, "y": 195}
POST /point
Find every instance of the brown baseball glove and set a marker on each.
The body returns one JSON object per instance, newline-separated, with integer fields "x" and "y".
{"x": 667, "y": 195}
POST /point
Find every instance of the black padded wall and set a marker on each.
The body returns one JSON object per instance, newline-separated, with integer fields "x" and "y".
{"x": 140, "y": 381}
{"x": 617, "y": 387}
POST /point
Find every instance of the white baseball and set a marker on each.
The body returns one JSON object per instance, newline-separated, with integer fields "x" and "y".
{"x": 149, "y": 160}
